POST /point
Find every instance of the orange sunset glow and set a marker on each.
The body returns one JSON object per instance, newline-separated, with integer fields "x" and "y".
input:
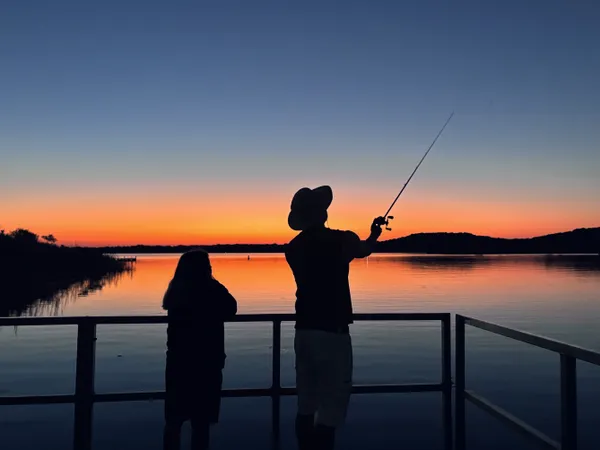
{"x": 265, "y": 220}
{"x": 156, "y": 220}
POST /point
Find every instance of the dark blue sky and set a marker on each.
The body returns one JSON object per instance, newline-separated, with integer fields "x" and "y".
{"x": 272, "y": 95}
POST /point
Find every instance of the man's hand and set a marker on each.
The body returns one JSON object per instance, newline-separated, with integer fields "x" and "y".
{"x": 376, "y": 228}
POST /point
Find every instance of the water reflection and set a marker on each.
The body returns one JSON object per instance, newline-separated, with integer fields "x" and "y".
{"x": 51, "y": 300}
{"x": 574, "y": 263}
{"x": 437, "y": 263}
{"x": 383, "y": 283}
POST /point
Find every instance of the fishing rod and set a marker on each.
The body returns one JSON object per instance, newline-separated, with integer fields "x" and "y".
{"x": 386, "y": 218}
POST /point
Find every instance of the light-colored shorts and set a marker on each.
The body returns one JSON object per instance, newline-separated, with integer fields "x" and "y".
{"x": 323, "y": 375}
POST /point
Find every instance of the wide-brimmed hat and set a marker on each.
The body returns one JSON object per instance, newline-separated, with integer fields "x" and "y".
{"x": 309, "y": 207}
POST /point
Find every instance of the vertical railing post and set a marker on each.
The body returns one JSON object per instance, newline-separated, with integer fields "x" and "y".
{"x": 459, "y": 398}
{"x": 447, "y": 381}
{"x": 568, "y": 402}
{"x": 276, "y": 384}
{"x": 84, "y": 384}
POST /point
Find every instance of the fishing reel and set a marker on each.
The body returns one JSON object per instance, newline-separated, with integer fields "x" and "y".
{"x": 387, "y": 222}
{"x": 384, "y": 221}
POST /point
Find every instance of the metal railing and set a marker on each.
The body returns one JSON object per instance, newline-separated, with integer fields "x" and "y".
{"x": 85, "y": 395}
{"x": 569, "y": 354}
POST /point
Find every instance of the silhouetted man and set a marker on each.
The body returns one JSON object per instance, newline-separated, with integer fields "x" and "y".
{"x": 320, "y": 260}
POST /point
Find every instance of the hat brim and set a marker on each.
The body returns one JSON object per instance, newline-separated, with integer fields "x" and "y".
{"x": 321, "y": 199}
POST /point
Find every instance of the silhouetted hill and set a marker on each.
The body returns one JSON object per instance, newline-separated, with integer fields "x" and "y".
{"x": 585, "y": 240}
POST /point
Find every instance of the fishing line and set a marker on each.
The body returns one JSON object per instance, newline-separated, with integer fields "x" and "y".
{"x": 386, "y": 218}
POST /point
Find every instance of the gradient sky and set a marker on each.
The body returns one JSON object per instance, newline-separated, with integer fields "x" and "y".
{"x": 195, "y": 122}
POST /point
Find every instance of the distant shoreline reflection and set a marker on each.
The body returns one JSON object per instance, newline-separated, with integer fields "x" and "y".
{"x": 44, "y": 300}
{"x": 576, "y": 263}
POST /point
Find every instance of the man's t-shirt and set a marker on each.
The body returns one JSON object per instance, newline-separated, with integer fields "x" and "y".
{"x": 320, "y": 260}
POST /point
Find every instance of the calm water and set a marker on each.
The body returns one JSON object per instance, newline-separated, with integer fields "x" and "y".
{"x": 556, "y": 298}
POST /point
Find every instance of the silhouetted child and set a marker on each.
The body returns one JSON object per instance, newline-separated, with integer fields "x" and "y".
{"x": 197, "y": 305}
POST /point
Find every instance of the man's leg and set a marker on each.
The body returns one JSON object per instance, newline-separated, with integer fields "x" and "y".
{"x": 305, "y": 430}
{"x": 307, "y": 390}
{"x": 324, "y": 437}
{"x": 200, "y": 434}
{"x": 336, "y": 386}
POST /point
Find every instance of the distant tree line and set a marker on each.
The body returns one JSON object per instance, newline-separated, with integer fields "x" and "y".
{"x": 585, "y": 240}
{"x": 24, "y": 238}
{"x": 219, "y": 248}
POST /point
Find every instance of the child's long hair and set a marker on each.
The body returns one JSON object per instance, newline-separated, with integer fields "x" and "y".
{"x": 193, "y": 273}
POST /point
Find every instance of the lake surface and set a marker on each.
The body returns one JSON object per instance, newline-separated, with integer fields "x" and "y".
{"x": 556, "y": 297}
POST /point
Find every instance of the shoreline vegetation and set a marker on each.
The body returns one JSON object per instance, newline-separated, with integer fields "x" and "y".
{"x": 579, "y": 241}
{"x": 37, "y": 275}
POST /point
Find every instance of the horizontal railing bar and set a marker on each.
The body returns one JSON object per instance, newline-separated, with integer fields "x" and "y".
{"x": 160, "y": 395}
{"x": 402, "y": 316}
{"x": 126, "y": 320}
{"x": 397, "y": 388}
{"x": 37, "y": 321}
{"x": 538, "y": 341}
{"x": 37, "y": 400}
{"x": 226, "y": 393}
{"x": 516, "y": 423}
{"x": 267, "y": 392}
